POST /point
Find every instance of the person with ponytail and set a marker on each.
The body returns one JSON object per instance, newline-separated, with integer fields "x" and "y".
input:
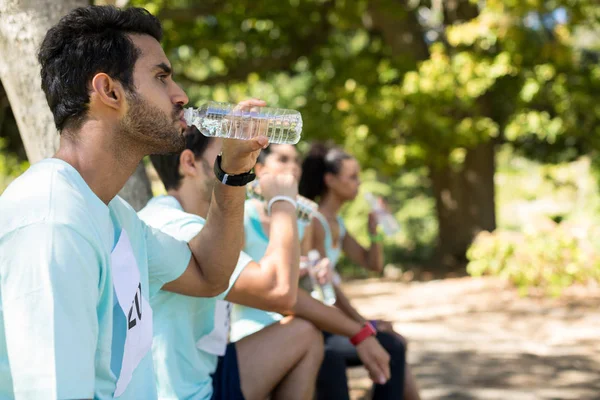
{"x": 368, "y": 346}
{"x": 330, "y": 177}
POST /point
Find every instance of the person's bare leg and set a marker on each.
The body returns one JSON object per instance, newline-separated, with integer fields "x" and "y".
{"x": 411, "y": 390}
{"x": 301, "y": 381}
{"x": 282, "y": 359}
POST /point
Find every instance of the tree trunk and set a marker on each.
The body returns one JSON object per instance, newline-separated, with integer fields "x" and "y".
{"x": 23, "y": 24}
{"x": 465, "y": 203}
{"x": 9, "y": 131}
{"x": 401, "y": 30}
{"x": 464, "y": 198}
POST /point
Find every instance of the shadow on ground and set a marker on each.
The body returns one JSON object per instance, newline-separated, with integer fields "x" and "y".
{"x": 479, "y": 340}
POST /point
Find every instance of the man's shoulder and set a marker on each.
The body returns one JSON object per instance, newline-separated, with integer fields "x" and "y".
{"x": 47, "y": 193}
{"x": 121, "y": 207}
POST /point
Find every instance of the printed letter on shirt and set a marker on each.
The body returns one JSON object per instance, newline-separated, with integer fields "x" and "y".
{"x": 126, "y": 280}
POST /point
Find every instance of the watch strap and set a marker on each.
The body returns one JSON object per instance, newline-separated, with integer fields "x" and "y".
{"x": 232, "y": 180}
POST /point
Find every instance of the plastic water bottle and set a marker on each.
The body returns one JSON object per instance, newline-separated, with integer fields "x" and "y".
{"x": 305, "y": 281}
{"x": 325, "y": 292}
{"x": 384, "y": 219}
{"x": 311, "y": 283}
{"x": 225, "y": 120}
{"x": 305, "y": 208}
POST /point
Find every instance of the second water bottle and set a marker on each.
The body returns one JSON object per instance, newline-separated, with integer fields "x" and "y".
{"x": 320, "y": 291}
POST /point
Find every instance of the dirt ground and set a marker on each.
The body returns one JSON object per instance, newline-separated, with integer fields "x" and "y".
{"x": 477, "y": 339}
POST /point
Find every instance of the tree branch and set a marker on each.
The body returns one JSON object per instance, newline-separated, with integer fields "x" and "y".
{"x": 458, "y": 11}
{"x": 399, "y": 27}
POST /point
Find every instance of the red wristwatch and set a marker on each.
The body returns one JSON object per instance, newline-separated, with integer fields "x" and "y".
{"x": 364, "y": 333}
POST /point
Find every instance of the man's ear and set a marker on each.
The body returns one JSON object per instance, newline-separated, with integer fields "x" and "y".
{"x": 107, "y": 91}
{"x": 187, "y": 163}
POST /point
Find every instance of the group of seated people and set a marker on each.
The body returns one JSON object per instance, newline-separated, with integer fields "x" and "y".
{"x": 196, "y": 296}
{"x": 281, "y": 340}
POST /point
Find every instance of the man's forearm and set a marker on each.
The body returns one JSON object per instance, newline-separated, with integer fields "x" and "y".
{"x": 327, "y": 318}
{"x": 343, "y": 303}
{"x": 217, "y": 247}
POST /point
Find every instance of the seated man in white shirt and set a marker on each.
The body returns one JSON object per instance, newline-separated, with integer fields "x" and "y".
{"x": 281, "y": 360}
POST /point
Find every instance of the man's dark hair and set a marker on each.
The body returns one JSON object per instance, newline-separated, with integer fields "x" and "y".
{"x": 87, "y": 41}
{"x": 167, "y": 165}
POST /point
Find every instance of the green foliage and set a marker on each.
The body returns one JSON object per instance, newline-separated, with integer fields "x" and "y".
{"x": 549, "y": 217}
{"x": 528, "y": 191}
{"x": 10, "y": 166}
{"x": 404, "y": 86}
{"x": 511, "y": 70}
{"x": 551, "y": 259}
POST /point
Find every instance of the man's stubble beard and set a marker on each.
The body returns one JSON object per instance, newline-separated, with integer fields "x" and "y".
{"x": 149, "y": 128}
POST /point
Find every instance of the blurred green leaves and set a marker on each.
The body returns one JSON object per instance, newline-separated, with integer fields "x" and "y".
{"x": 406, "y": 86}
{"x": 10, "y": 166}
{"x": 551, "y": 259}
{"x": 513, "y": 71}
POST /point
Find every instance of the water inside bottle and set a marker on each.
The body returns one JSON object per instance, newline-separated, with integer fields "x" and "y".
{"x": 323, "y": 292}
{"x": 328, "y": 291}
{"x": 386, "y": 220}
{"x": 224, "y": 120}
